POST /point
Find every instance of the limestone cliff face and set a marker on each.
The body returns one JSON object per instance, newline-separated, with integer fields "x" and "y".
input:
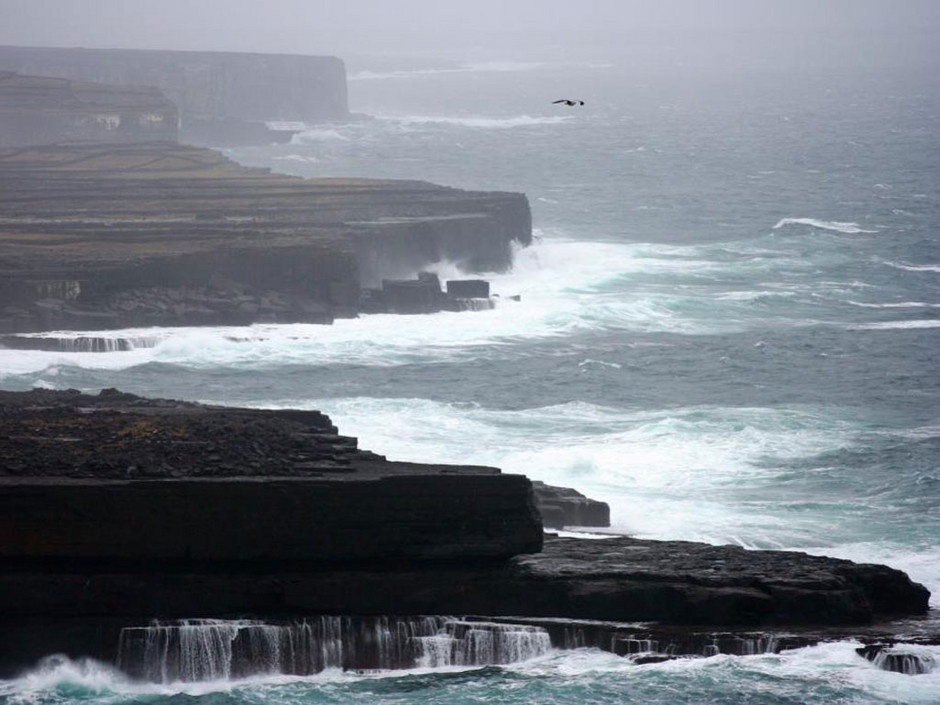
{"x": 205, "y": 85}
{"x": 112, "y": 236}
{"x": 42, "y": 110}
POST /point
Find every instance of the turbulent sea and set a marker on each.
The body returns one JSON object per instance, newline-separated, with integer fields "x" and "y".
{"x": 729, "y": 329}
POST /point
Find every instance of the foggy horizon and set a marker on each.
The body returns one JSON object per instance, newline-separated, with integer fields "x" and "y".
{"x": 526, "y": 27}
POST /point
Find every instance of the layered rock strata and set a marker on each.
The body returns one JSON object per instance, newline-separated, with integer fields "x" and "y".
{"x": 119, "y": 480}
{"x": 103, "y": 237}
{"x": 117, "y": 510}
{"x": 563, "y": 506}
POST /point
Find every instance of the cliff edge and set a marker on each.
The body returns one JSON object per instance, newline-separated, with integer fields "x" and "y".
{"x": 112, "y": 236}
{"x": 116, "y": 510}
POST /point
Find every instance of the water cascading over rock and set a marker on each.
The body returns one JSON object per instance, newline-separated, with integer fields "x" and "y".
{"x": 210, "y": 650}
{"x": 911, "y": 660}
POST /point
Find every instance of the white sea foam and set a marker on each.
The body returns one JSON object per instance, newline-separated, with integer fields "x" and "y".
{"x": 898, "y": 304}
{"x": 805, "y": 674}
{"x": 899, "y": 325}
{"x": 567, "y": 288}
{"x": 809, "y": 674}
{"x": 105, "y": 683}
{"x": 914, "y": 267}
{"x": 477, "y": 121}
{"x": 55, "y": 670}
{"x": 319, "y": 135}
{"x": 667, "y": 474}
{"x": 921, "y": 564}
{"x": 922, "y": 432}
{"x": 599, "y": 363}
{"x": 759, "y": 295}
{"x": 831, "y": 225}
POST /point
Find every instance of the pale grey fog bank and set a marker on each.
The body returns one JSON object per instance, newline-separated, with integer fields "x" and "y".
{"x": 415, "y": 26}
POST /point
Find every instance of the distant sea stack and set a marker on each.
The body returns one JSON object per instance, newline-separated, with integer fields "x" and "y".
{"x": 217, "y": 92}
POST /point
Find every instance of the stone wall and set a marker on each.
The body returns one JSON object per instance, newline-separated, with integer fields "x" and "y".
{"x": 42, "y": 110}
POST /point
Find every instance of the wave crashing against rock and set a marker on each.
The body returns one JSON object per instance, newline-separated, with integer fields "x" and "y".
{"x": 119, "y": 508}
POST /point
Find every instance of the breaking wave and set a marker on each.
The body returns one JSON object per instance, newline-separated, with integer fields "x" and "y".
{"x": 898, "y": 304}
{"x": 900, "y": 325}
{"x": 915, "y": 267}
{"x": 478, "y": 122}
{"x": 318, "y": 135}
{"x": 831, "y": 225}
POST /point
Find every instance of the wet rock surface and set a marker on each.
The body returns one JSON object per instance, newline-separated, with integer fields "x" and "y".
{"x": 116, "y": 478}
{"x": 118, "y": 509}
{"x": 563, "y": 506}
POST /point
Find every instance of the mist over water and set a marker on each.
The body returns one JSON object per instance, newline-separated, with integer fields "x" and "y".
{"x": 728, "y": 329}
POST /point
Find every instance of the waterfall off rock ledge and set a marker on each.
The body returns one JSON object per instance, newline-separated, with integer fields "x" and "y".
{"x": 205, "y": 650}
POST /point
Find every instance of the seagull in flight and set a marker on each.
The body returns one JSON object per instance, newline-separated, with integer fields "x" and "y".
{"x": 568, "y": 102}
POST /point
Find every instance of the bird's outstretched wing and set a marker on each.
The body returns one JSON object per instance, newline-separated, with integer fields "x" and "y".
{"x": 554, "y": 102}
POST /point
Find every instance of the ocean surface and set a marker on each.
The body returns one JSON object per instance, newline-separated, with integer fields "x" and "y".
{"x": 729, "y": 329}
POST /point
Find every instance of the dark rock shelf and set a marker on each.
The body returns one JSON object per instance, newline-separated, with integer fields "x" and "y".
{"x": 115, "y": 510}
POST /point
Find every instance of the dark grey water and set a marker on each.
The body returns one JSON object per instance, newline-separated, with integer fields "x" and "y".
{"x": 729, "y": 329}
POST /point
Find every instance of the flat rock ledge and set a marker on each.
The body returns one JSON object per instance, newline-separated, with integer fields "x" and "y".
{"x": 121, "y": 479}
{"x": 103, "y": 237}
{"x": 117, "y": 510}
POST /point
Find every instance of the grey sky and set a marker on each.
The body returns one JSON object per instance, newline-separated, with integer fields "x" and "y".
{"x": 361, "y": 26}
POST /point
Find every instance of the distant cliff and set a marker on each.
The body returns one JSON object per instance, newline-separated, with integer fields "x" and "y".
{"x": 207, "y": 86}
{"x": 41, "y": 110}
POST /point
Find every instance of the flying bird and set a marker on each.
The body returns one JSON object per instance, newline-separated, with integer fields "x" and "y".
{"x": 568, "y": 101}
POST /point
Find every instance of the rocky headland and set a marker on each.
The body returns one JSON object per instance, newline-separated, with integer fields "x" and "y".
{"x": 110, "y": 236}
{"x": 118, "y": 510}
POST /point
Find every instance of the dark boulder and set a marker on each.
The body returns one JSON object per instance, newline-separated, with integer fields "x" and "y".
{"x": 468, "y": 288}
{"x": 412, "y": 295}
{"x": 116, "y": 509}
{"x": 562, "y": 506}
